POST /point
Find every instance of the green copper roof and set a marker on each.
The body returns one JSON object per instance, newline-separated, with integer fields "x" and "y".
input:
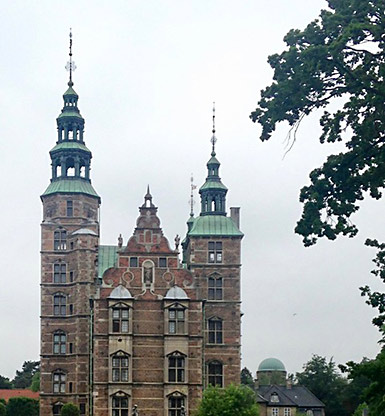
{"x": 70, "y": 113}
{"x": 70, "y": 91}
{"x": 71, "y": 186}
{"x": 211, "y": 184}
{"x": 271, "y": 364}
{"x": 107, "y": 257}
{"x": 213, "y": 161}
{"x": 214, "y": 225}
{"x": 70, "y": 145}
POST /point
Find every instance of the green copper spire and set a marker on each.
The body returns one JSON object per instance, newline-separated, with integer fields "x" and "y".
{"x": 213, "y": 192}
{"x": 71, "y": 159}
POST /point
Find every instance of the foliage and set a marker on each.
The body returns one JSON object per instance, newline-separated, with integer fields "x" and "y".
{"x": 247, "y": 378}
{"x": 340, "y": 54}
{"x": 230, "y": 401}
{"x": 3, "y": 409}
{"x": 22, "y": 406}
{"x": 3, "y": 401}
{"x": 69, "y": 409}
{"x": 5, "y": 383}
{"x": 35, "y": 384}
{"x": 374, "y": 370}
{"x": 23, "y": 378}
{"x": 322, "y": 379}
{"x": 360, "y": 409}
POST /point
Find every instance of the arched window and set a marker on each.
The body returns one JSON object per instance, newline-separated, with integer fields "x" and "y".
{"x": 59, "y": 304}
{"x": 120, "y": 318}
{"x": 176, "y": 404}
{"x": 120, "y": 404}
{"x": 59, "y": 272}
{"x": 60, "y": 240}
{"x": 59, "y": 381}
{"x": 215, "y": 373}
{"x": 215, "y": 287}
{"x": 120, "y": 363}
{"x": 59, "y": 342}
{"x": 176, "y": 320}
{"x": 215, "y": 330}
{"x": 176, "y": 367}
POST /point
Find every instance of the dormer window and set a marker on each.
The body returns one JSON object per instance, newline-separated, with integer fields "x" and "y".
{"x": 274, "y": 398}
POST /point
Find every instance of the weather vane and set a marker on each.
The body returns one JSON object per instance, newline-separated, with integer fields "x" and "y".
{"x": 192, "y": 202}
{"x": 70, "y": 64}
{"x": 213, "y": 138}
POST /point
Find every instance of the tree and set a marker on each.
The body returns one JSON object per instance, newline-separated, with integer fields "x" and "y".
{"x": 339, "y": 55}
{"x": 23, "y": 378}
{"x": 230, "y": 401}
{"x": 22, "y": 406}
{"x": 69, "y": 409}
{"x": 5, "y": 383}
{"x": 247, "y": 378}
{"x": 374, "y": 370}
{"x": 322, "y": 379}
{"x": 35, "y": 383}
{"x": 3, "y": 409}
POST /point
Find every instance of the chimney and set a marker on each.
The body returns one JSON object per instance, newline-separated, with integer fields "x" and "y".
{"x": 235, "y": 215}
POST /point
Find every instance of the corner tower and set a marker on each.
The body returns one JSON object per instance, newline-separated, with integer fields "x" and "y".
{"x": 69, "y": 246}
{"x": 212, "y": 252}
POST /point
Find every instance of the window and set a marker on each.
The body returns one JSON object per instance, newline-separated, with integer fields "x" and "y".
{"x": 59, "y": 342}
{"x": 59, "y": 305}
{"x": 309, "y": 413}
{"x": 71, "y": 276}
{"x": 59, "y": 382}
{"x": 176, "y": 319}
{"x": 133, "y": 262}
{"x": 56, "y": 409}
{"x": 120, "y": 367}
{"x": 162, "y": 262}
{"x": 215, "y": 373}
{"x": 287, "y": 411}
{"x": 176, "y": 367}
{"x": 70, "y": 209}
{"x": 215, "y": 331}
{"x": 120, "y": 319}
{"x": 59, "y": 272}
{"x": 120, "y": 405}
{"x": 82, "y": 408}
{"x": 215, "y": 288}
{"x": 274, "y": 398}
{"x": 176, "y": 405}
{"x": 274, "y": 411}
{"x": 215, "y": 252}
{"x": 60, "y": 240}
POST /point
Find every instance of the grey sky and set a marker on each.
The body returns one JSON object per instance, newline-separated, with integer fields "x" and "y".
{"x": 147, "y": 74}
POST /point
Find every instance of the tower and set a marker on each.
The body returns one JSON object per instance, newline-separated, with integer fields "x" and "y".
{"x": 212, "y": 253}
{"x": 69, "y": 242}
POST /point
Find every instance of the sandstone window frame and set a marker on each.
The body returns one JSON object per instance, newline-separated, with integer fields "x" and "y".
{"x": 60, "y": 239}
{"x": 56, "y": 408}
{"x": 59, "y": 342}
{"x": 70, "y": 208}
{"x": 215, "y": 287}
{"x": 59, "y": 272}
{"x": 59, "y": 304}
{"x": 121, "y": 319}
{"x": 120, "y": 367}
{"x": 215, "y": 373}
{"x": 176, "y": 319}
{"x": 120, "y": 404}
{"x": 59, "y": 381}
{"x": 215, "y": 252}
{"x": 215, "y": 334}
{"x": 176, "y": 403}
{"x": 176, "y": 367}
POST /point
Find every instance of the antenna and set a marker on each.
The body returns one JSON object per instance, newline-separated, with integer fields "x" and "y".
{"x": 213, "y": 138}
{"x": 70, "y": 64}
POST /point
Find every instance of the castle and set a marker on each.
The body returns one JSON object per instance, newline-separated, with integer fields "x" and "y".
{"x": 141, "y": 327}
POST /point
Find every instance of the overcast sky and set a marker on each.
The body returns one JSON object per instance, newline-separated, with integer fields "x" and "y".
{"x": 147, "y": 74}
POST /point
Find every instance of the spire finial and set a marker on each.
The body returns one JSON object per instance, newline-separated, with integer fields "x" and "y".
{"x": 213, "y": 138}
{"x": 192, "y": 202}
{"x": 70, "y": 64}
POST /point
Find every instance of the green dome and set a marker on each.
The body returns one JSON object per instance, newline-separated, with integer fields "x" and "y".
{"x": 271, "y": 364}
